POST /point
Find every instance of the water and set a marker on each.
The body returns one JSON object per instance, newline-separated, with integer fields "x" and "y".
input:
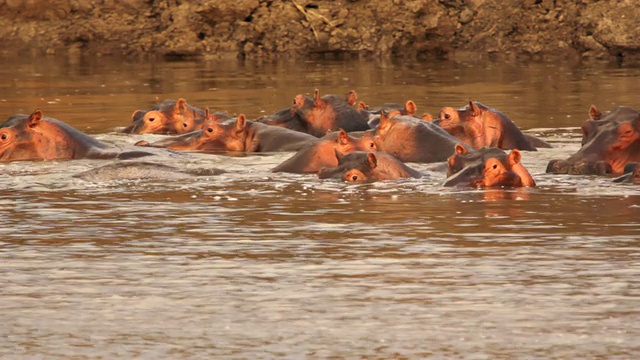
{"x": 255, "y": 265}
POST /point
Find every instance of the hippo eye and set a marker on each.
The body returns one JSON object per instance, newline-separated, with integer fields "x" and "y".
{"x": 184, "y": 125}
{"x": 447, "y": 116}
{"x": 151, "y": 119}
{"x": 210, "y": 129}
{"x": 354, "y": 177}
{"x": 495, "y": 166}
{"x": 372, "y": 145}
{"x": 4, "y": 136}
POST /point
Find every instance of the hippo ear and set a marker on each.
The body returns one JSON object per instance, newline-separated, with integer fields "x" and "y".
{"x": 373, "y": 161}
{"x": 138, "y": 114}
{"x": 180, "y": 106}
{"x": 338, "y": 153}
{"x": 207, "y": 113}
{"x": 427, "y": 117}
{"x": 35, "y": 117}
{"x": 343, "y": 138}
{"x": 362, "y": 106}
{"x": 474, "y": 108}
{"x": 410, "y": 108}
{"x": 241, "y": 123}
{"x": 594, "y": 113}
{"x": 352, "y": 96}
{"x": 514, "y": 157}
{"x": 461, "y": 150}
{"x": 316, "y": 96}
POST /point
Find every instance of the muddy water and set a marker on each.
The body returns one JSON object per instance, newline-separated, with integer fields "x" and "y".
{"x": 254, "y": 265}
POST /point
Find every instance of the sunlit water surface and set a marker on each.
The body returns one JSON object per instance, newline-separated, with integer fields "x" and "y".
{"x": 255, "y": 265}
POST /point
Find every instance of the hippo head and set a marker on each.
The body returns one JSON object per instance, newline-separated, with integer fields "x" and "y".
{"x": 491, "y": 171}
{"x": 17, "y": 138}
{"x": 464, "y": 157}
{"x": 596, "y": 119}
{"x": 286, "y": 118}
{"x": 615, "y": 143}
{"x": 356, "y": 167}
{"x": 167, "y": 118}
{"x": 231, "y": 134}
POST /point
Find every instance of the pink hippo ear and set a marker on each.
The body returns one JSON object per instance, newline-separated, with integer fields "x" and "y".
{"x": 207, "y": 113}
{"x": 427, "y": 117}
{"x": 35, "y": 117}
{"x": 373, "y": 161}
{"x": 241, "y": 123}
{"x": 352, "y": 96}
{"x": 594, "y": 113}
{"x": 137, "y": 114}
{"x": 362, "y": 106}
{"x": 461, "y": 150}
{"x": 410, "y": 108}
{"x": 474, "y": 108}
{"x": 343, "y": 138}
{"x": 514, "y": 157}
{"x": 180, "y": 107}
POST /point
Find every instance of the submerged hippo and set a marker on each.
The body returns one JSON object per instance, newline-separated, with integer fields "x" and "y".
{"x": 412, "y": 140}
{"x": 490, "y": 169}
{"x": 615, "y": 143}
{"x": 320, "y": 115}
{"x": 477, "y": 125}
{"x": 139, "y": 170}
{"x": 320, "y": 154}
{"x": 36, "y": 137}
{"x": 237, "y": 135}
{"x": 367, "y": 166}
{"x": 168, "y": 117}
{"x": 373, "y": 114}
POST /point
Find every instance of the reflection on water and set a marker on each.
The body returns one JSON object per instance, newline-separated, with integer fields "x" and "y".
{"x": 250, "y": 264}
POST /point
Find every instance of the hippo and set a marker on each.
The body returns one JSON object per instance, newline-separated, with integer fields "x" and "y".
{"x": 412, "y": 140}
{"x": 368, "y": 166}
{"x": 477, "y": 125}
{"x": 168, "y": 117}
{"x": 491, "y": 170}
{"x": 409, "y": 108}
{"x": 139, "y": 170}
{"x": 597, "y": 118}
{"x": 615, "y": 143}
{"x": 37, "y": 137}
{"x": 237, "y": 135}
{"x": 319, "y": 154}
{"x": 631, "y": 174}
{"x": 464, "y": 157}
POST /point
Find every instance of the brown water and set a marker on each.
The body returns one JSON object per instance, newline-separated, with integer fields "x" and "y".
{"x": 255, "y": 265}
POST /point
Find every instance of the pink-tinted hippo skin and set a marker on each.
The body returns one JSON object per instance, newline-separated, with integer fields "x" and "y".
{"x": 597, "y": 118}
{"x": 168, "y": 117}
{"x": 373, "y": 114}
{"x": 37, "y": 137}
{"x": 238, "y": 135}
{"x": 412, "y": 140}
{"x": 477, "y": 126}
{"x": 493, "y": 170}
{"x": 328, "y": 113}
{"x": 320, "y": 154}
{"x": 615, "y": 144}
{"x": 368, "y": 166}
{"x": 464, "y": 157}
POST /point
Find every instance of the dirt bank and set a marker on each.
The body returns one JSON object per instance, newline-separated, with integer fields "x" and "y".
{"x": 593, "y": 29}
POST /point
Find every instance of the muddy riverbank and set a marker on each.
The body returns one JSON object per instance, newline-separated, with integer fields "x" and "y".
{"x": 453, "y": 29}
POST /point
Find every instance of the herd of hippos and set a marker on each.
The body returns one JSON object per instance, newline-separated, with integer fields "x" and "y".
{"x": 335, "y": 137}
